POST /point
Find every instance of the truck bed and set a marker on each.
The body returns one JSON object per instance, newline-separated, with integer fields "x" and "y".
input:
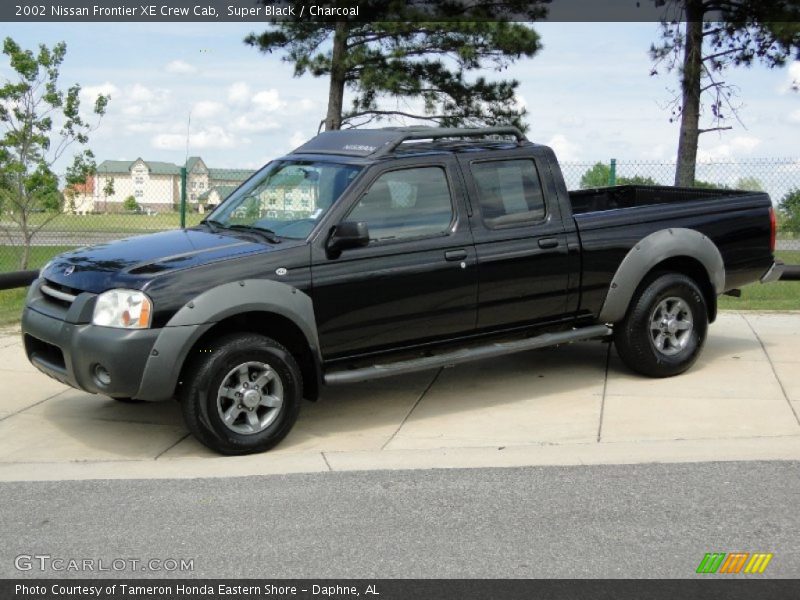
{"x": 630, "y": 196}
{"x": 610, "y": 221}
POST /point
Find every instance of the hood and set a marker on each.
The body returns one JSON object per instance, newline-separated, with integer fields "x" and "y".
{"x": 129, "y": 262}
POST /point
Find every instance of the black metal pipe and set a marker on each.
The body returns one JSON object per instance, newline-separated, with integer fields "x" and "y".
{"x": 791, "y": 273}
{"x": 17, "y": 279}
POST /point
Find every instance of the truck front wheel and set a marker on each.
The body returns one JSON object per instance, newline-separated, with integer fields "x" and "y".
{"x": 665, "y": 327}
{"x": 243, "y": 396}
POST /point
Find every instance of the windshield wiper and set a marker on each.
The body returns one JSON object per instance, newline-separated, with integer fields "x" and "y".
{"x": 267, "y": 234}
{"x": 212, "y": 224}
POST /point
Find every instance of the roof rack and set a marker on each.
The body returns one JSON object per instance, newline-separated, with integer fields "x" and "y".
{"x": 379, "y": 142}
{"x": 433, "y": 133}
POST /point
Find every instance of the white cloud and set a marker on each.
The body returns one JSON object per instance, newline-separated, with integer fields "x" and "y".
{"x": 268, "y": 100}
{"x": 255, "y": 123}
{"x": 213, "y": 137}
{"x": 792, "y": 77}
{"x": 564, "y": 149}
{"x": 206, "y": 109}
{"x": 657, "y": 152}
{"x": 180, "y": 67}
{"x": 571, "y": 121}
{"x": 306, "y": 104}
{"x": 139, "y": 100}
{"x": 738, "y": 146}
{"x": 144, "y": 127}
{"x": 259, "y": 111}
{"x": 239, "y": 93}
{"x": 745, "y": 143}
{"x": 794, "y": 116}
{"x": 90, "y": 93}
{"x": 298, "y": 139}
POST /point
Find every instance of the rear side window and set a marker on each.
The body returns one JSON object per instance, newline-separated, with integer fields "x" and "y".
{"x": 509, "y": 192}
{"x": 406, "y": 204}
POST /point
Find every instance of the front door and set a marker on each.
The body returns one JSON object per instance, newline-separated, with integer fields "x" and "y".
{"x": 416, "y": 280}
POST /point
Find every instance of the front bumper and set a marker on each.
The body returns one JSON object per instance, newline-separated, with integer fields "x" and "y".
{"x": 74, "y": 353}
{"x": 61, "y": 342}
{"x": 774, "y": 272}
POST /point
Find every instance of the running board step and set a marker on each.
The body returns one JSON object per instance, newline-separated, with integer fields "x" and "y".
{"x": 465, "y": 355}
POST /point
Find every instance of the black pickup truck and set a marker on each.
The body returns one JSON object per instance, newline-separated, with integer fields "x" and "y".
{"x": 370, "y": 253}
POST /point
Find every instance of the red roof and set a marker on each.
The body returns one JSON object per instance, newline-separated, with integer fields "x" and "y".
{"x": 84, "y": 188}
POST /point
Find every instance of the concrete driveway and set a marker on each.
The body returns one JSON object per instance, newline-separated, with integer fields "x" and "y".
{"x": 574, "y": 404}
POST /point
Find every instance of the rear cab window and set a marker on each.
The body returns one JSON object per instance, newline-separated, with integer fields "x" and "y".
{"x": 509, "y": 192}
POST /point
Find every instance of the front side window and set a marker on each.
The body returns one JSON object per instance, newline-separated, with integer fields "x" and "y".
{"x": 266, "y": 200}
{"x": 406, "y": 204}
{"x": 509, "y": 192}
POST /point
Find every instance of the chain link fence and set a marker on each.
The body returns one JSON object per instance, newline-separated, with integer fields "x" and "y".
{"x": 779, "y": 177}
{"x": 123, "y": 199}
{"x": 126, "y": 198}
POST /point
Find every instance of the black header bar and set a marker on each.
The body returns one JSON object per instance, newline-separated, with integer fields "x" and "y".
{"x": 265, "y": 11}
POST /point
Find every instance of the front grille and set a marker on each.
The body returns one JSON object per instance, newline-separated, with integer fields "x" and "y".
{"x": 59, "y": 294}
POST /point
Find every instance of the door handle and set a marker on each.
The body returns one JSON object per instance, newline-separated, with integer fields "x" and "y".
{"x": 545, "y": 243}
{"x": 455, "y": 255}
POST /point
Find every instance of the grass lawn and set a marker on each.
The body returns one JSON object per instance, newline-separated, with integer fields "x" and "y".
{"x": 122, "y": 223}
{"x": 783, "y": 295}
{"x": 11, "y": 301}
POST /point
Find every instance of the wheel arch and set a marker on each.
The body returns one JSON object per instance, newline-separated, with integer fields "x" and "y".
{"x": 272, "y": 308}
{"x": 273, "y": 325}
{"x": 674, "y": 250}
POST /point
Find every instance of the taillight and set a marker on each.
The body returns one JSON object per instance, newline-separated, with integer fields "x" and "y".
{"x": 773, "y": 229}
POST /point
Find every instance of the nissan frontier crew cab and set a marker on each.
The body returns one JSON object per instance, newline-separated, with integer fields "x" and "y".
{"x": 377, "y": 252}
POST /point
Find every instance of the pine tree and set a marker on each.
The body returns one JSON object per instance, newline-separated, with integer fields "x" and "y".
{"x": 391, "y": 54}
{"x": 701, "y": 50}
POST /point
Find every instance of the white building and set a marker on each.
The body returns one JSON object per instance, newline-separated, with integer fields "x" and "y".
{"x": 154, "y": 185}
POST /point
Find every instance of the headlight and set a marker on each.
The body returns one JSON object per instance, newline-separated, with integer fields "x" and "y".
{"x": 127, "y": 309}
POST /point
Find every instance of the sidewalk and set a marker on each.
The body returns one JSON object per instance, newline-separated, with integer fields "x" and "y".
{"x": 569, "y": 405}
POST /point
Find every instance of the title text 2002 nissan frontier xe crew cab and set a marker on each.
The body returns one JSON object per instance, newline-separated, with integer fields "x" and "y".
{"x": 416, "y": 248}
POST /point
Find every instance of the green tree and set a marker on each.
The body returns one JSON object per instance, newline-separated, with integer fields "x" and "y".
{"x": 108, "y": 190}
{"x": 39, "y": 121}
{"x": 636, "y": 180}
{"x": 407, "y": 59}
{"x": 752, "y": 184}
{"x": 708, "y": 38}
{"x": 789, "y": 208}
{"x": 595, "y": 177}
{"x": 708, "y": 185}
{"x": 42, "y": 188}
{"x": 598, "y": 176}
{"x": 130, "y": 204}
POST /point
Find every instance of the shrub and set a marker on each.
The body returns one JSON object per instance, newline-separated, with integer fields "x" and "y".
{"x": 130, "y": 204}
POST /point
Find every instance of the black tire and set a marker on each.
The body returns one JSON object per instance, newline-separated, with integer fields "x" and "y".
{"x": 204, "y": 378}
{"x": 638, "y": 343}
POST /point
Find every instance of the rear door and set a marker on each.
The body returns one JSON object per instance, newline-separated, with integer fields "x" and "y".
{"x": 521, "y": 245}
{"x": 416, "y": 281}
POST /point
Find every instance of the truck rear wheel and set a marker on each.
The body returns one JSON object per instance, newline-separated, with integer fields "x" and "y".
{"x": 665, "y": 327}
{"x": 244, "y": 396}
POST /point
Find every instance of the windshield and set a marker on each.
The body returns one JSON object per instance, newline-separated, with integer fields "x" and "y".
{"x": 287, "y": 197}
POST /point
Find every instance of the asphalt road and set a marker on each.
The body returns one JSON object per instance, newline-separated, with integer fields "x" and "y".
{"x": 600, "y": 521}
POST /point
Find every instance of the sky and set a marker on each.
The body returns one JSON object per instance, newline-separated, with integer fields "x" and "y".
{"x": 589, "y": 94}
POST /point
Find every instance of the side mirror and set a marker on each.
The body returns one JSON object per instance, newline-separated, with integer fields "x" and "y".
{"x": 349, "y": 234}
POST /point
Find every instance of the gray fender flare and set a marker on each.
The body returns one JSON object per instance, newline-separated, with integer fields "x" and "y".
{"x": 653, "y": 249}
{"x": 196, "y": 317}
